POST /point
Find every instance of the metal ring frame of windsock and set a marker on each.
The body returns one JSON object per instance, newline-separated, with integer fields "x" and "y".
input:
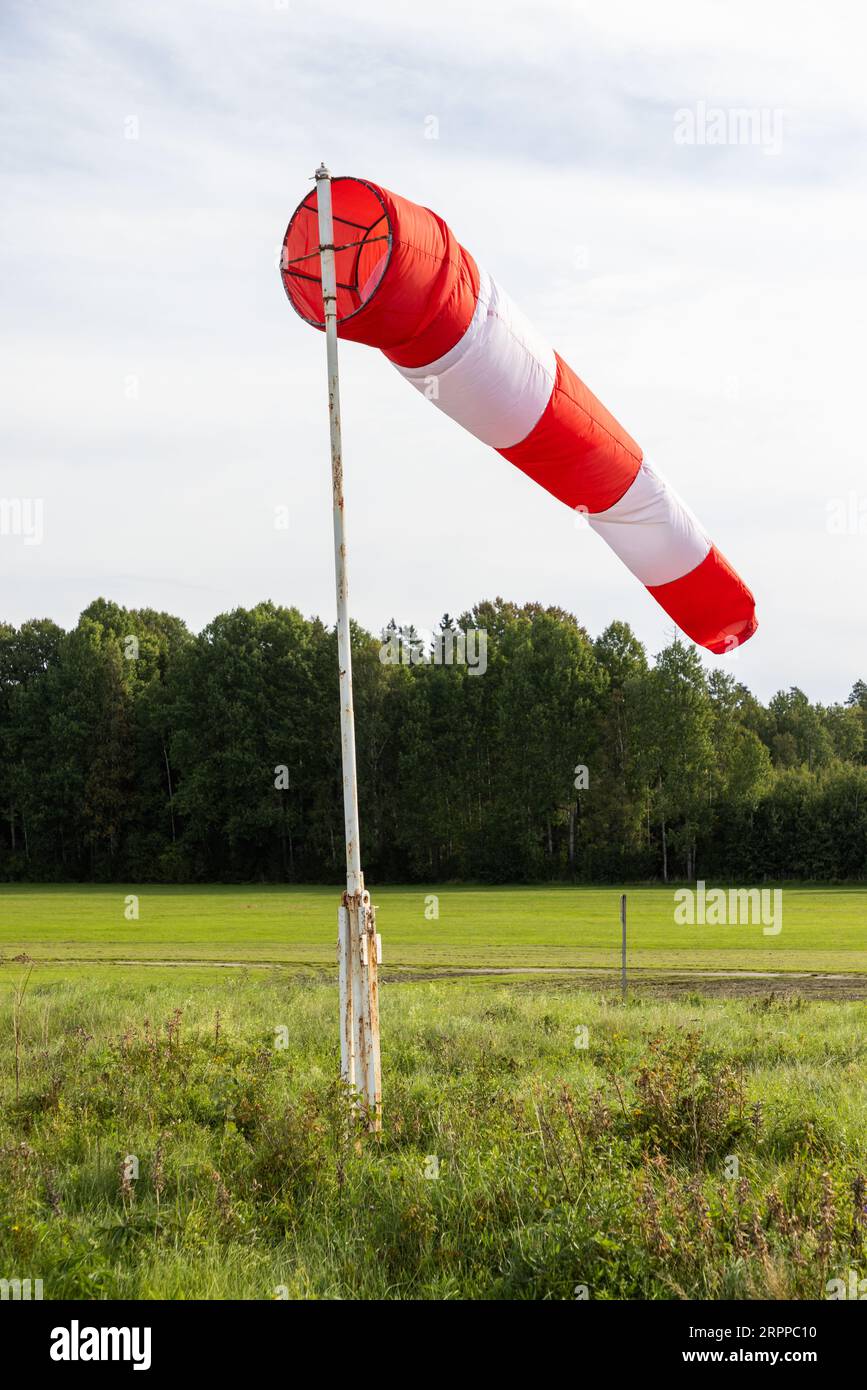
{"x": 405, "y": 285}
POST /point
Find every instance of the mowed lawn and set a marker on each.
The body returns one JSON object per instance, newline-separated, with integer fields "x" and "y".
{"x": 823, "y": 929}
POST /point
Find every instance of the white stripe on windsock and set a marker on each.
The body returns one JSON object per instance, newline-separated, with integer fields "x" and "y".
{"x": 498, "y": 378}
{"x": 668, "y": 543}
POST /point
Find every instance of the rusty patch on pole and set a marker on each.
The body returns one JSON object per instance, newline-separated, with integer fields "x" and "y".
{"x": 361, "y": 1066}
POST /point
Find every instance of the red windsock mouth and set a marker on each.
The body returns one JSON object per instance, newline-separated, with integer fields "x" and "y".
{"x": 362, "y": 250}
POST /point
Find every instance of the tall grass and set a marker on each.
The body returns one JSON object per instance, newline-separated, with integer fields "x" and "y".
{"x": 163, "y": 1145}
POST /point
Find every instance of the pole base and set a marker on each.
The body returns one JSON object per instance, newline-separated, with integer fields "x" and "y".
{"x": 357, "y": 955}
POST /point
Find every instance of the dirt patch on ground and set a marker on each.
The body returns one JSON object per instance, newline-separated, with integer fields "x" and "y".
{"x": 661, "y": 984}
{"x": 665, "y": 984}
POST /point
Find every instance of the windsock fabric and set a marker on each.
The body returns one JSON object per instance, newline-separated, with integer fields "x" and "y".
{"x": 405, "y": 285}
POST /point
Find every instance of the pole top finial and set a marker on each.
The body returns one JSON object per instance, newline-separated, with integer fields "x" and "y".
{"x": 323, "y": 172}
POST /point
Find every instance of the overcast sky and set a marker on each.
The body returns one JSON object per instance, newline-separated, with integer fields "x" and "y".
{"x": 162, "y": 399}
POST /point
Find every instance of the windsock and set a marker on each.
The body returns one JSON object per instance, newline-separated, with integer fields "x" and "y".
{"x": 405, "y": 285}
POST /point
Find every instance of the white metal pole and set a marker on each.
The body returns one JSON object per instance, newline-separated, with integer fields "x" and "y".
{"x": 354, "y": 880}
{"x": 357, "y": 940}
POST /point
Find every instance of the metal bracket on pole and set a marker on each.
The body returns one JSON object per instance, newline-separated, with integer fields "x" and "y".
{"x": 357, "y": 941}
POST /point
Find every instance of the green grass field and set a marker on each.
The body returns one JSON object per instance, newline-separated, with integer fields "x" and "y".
{"x": 822, "y": 929}
{"x": 157, "y": 1142}
{"x": 161, "y": 1146}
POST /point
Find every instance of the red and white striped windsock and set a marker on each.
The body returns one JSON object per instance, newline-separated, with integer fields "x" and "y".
{"x": 407, "y": 287}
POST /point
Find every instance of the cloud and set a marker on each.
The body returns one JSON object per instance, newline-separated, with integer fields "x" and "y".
{"x": 163, "y": 399}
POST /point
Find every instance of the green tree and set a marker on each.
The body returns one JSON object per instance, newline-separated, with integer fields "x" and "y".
{"x": 676, "y": 751}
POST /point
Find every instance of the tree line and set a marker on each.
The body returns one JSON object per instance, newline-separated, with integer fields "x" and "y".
{"x": 134, "y": 750}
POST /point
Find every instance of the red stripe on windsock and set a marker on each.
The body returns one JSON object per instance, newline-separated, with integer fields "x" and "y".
{"x": 712, "y": 604}
{"x": 577, "y": 451}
